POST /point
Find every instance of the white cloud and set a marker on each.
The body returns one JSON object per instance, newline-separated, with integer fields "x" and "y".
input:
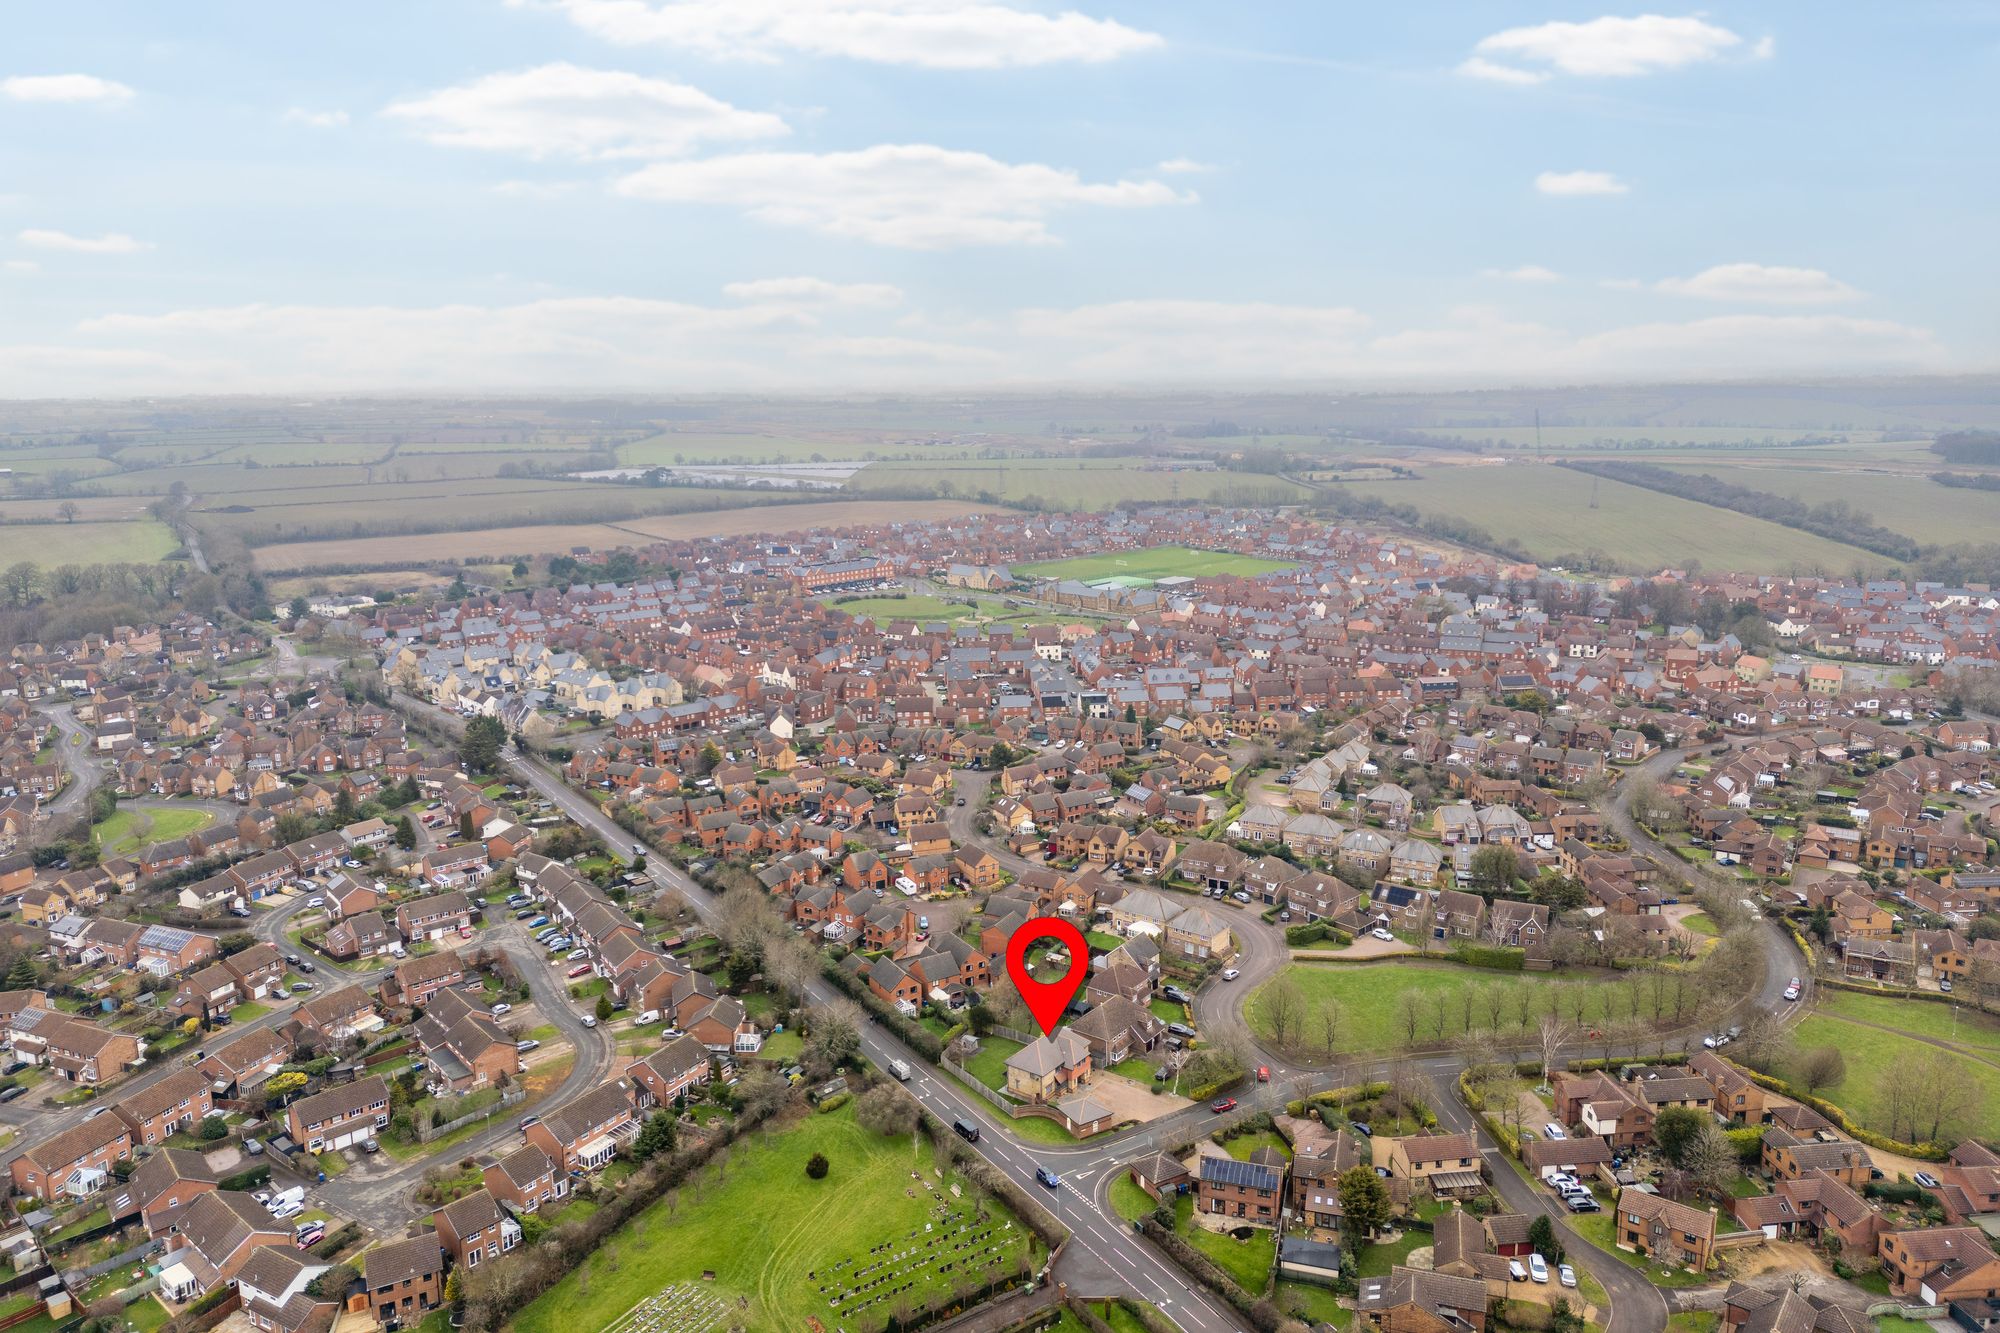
{"x": 22, "y": 266}
{"x": 916, "y": 196}
{"x": 564, "y": 110}
{"x": 534, "y": 189}
{"x": 65, "y": 88}
{"x": 1761, "y": 284}
{"x": 1183, "y": 166}
{"x": 1621, "y": 284}
{"x": 1524, "y": 273}
{"x": 111, "y": 243}
{"x": 1607, "y": 47}
{"x": 935, "y": 34}
{"x": 1479, "y": 67}
{"x": 318, "y": 120}
{"x": 770, "y": 341}
{"x": 1580, "y": 183}
{"x": 815, "y": 291}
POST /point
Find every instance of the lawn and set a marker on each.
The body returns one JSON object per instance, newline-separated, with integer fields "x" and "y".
{"x": 1553, "y": 512}
{"x": 1872, "y": 1057}
{"x": 131, "y": 829}
{"x": 1242, "y": 1145}
{"x": 1370, "y": 999}
{"x": 1317, "y": 1304}
{"x": 1128, "y": 1200}
{"x": 1601, "y": 1230}
{"x": 763, "y": 1229}
{"x": 1698, "y": 923}
{"x": 1379, "y": 1258}
{"x": 1248, "y": 1262}
{"x": 989, "y": 1065}
{"x": 784, "y": 1047}
{"x": 1154, "y": 562}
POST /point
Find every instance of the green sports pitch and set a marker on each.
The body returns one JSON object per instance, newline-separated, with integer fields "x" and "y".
{"x": 1141, "y": 568}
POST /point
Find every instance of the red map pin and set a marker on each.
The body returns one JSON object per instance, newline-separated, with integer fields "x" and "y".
{"x": 1047, "y": 999}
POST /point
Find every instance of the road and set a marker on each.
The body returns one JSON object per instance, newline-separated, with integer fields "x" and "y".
{"x": 86, "y": 773}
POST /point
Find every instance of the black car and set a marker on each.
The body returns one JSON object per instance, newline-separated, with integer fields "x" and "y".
{"x": 1174, "y": 993}
{"x": 1180, "y": 1030}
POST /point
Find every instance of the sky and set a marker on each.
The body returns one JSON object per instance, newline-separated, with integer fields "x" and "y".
{"x": 723, "y": 195}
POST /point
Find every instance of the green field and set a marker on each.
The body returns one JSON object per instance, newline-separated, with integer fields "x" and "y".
{"x": 1370, "y": 1000}
{"x": 764, "y": 1227}
{"x": 759, "y": 447}
{"x": 1089, "y": 483}
{"x": 1248, "y": 1262}
{"x": 1547, "y": 511}
{"x": 1956, "y": 1024}
{"x": 1872, "y": 1055}
{"x": 1584, "y": 437}
{"x": 52, "y": 544}
{"x": 1154, "y": 562}
{"x": 1915, "y": 506}
{"x": 119, "y": 836}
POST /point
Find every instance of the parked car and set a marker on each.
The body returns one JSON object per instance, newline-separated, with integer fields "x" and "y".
{"x": 539, "y": 921}
{"x": 1926, "y": 1179}
{"x": 1364, "y": 1129}
{"x": 575, "y": 954}
{"x": 1180, "y": 1029}
{"x": 529, "y": 1044}
{"x": 580, "y": 970}
{"x": 316, "y": 901}
{"x": 1515, "y": 1271}
{"x": 1174, "y": 993}
{"x": 1554, "y": 1131}
{"x": 502, "y": 1009}
{"x": 1240, "y": 896}
{"x": 1944, "y": 985}
{"x": 306, "y": 965}
{"x": 1382, "y": 934}
{"x": 1222, "y": 1105}
{"x": 1566, "y": 1275}
{"x": 1581, "y": 1203}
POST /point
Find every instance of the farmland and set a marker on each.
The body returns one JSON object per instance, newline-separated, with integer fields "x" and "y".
{"x": 1084, "y": 483}
{"x": 551, "y": 539}
{"x": 762, "y": 447}
{"x": 1552, "y": 512}
{"x": 51, "y": 544}
{"x": 763, "y": 1231}
{"x": 1157, "y": 562}
{"x": 1915, "y": 506}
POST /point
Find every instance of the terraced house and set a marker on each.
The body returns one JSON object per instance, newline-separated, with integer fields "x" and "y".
{"x": 341, "y": 1116}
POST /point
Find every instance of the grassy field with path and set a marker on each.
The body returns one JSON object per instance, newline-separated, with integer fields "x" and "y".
{"x": 766, "y": 1230}
{"x": 118, "y": 835}
{"x": 1370, "y": 999}
{"x": 139, "y": 542}
{"x": 1872, "y": 1054}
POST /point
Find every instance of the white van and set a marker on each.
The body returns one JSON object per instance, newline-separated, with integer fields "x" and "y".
{"x": 900, "y": 1069}
{"x": 296, "y": 1195}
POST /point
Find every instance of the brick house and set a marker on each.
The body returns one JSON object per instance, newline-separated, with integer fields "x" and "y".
{"x": 473, "y": 1229}
{"x": 1659, "y": 1228}
{"x": 76, "y": 1161}
{"x": 1251, "y": 1191}
{"x": 584, "y": 1134}
{"x": 404, "y": 1279}
{"x": 179, "y": 1101}
{"x": 340, "y": 1116}
{"x": 527, "y": 1178}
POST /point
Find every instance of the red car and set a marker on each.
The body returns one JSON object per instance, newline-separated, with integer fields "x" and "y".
{"x": 579, "y": 970}
{"x": 1263, "y": 1073}
{"x": 1226, "y": 1104}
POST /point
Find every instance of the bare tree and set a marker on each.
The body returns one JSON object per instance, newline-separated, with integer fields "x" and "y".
{"x": 1440, "y": 1012}
{"x": 1409, "y": 1016}
{"x": 1553, "y": 1035}
{"x": 1284, "y": 1008}
{"x": 1710, "y": 1160}
{"x": 1942, "y": 1097}
{"x": 1330, "y": 1017}
{"x": 1819, "y": 1067}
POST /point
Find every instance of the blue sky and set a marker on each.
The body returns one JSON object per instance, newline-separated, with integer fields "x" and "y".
{"x": 745, "y": 194}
